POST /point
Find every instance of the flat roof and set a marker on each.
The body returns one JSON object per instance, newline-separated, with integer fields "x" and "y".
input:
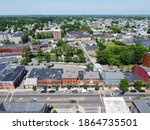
{"x": 22, "y": 107}
{"x": 92, "y": 75}
{"x": 115, "y": 105}
{"x": 2, "y": 66}
{"x": 12, "y": 46}
{"x": 46, "y": 73}
{"x": 12, "y": 76}
{"x": 113, "y": 75}
{"x": 30, "y": 81}
{"x": 143, "y": 106}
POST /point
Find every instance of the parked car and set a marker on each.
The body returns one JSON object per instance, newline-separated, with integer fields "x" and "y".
{"x": 73, "y": 101}
{"x": 52, "y": 91}
{"x": 74, "y": 91}
{"x": 43, "y": 91}
{"x": 133, "y": 91}
{"x": 141, "y": 91}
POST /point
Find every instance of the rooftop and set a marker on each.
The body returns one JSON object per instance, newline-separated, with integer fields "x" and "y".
{"x": 12, "y": 46}
{"x": 92, "y": 75}
{"x": 2, "y": 66}
{"x": 143, "y": 106}
{"x": 115, "y": 105}
{"x": 46, "y": 73}
{"x": 145, "y": 68}
{"x": 12, "y": 76}
{"x": 113, "y": 75}
{"x": 16, "y": 107}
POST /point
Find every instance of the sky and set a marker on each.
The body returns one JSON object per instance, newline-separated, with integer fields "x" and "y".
{"x": 74, "y": 7}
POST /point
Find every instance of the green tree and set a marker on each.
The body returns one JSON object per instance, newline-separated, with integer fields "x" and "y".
{"x": 138, "y": 84}
{"x": 97, "y": 87}
{"x": 124, "y": 85}
{"x": 25, "y": 37}
{"x": 27, "y": 54}
{"x": 54, "y": 111}
{"x": 85, "y": 86}
{"x": 34, "y": 88}
{"x": 68, "y": 87}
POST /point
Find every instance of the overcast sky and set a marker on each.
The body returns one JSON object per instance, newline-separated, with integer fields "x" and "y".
{"x": 25, "y": 7}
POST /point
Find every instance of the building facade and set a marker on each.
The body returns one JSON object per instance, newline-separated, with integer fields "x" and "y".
{"x": 146, "y": 60}
{"x": 143, "y": 72}
{"x": 13, "y": 79}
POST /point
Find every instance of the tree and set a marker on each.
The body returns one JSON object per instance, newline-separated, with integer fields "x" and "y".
{"x": 124, "y": 85}
{"x": 97, "y": 86}
{"x": 138, "y": 84}
{"x": 34, "y": 88}
{"x": 85, "y": 86}
{"x": 27, "y": 53}
{"x": 24, "y": 61}
{"x": 54, "y": 111}
{"x": 147, "y": 85}
{"x": 68, "y": 87}
{"x": 89, "y": 67}
{"x": 25, "y": 37}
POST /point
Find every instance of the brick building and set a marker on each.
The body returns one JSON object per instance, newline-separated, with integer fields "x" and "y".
{"x": 47, "y": 76}
{"x": 146, "y": 60}
{"x": 14, "y": 78}
{"x": 11, "y": 48}
{"x": 143, "y": 72}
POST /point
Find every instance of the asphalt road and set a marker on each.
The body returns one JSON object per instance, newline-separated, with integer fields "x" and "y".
{"x": 89, "y": 101}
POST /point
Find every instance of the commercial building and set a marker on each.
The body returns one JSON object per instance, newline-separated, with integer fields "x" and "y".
{"x": 57, "y": 34}
{"x": 146, "y": 60}
{"x": 11, "y": 48}
{"x": 143, "y": 72}
{"x": 112, "y": 78}
{"x": 70, "y": 77}
{"x": 47, "y": 76}
{"x": 14, "y": 78}
{"x": 30, "y": 82}
{"x": 3, "y": 68}
{"x": 115, "y": 105}
{"x": 92, "y": 78}
{"x": 141, "y": 106}
{"x": 13, "y": 37}
{"x": 23, "y": 107}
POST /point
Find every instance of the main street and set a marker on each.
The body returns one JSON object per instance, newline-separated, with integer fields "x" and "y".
{"x": 90, "y": 102}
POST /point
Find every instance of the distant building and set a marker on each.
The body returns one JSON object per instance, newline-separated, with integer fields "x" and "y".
{"x": 11, "y": 48}
{"x": 13, "y": 37}
{"x": 143, "y": 72}
{"x": 57, "y": 34}
{"x": 23, "y": 107}
{"x": 141, "y": 106}
{"x": 115, "y": 105}
{"x": 14, "y": 78}
{"x": 146, "y": 60}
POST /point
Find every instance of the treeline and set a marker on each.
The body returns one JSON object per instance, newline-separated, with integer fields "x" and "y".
{"x": 120, "y": 54}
